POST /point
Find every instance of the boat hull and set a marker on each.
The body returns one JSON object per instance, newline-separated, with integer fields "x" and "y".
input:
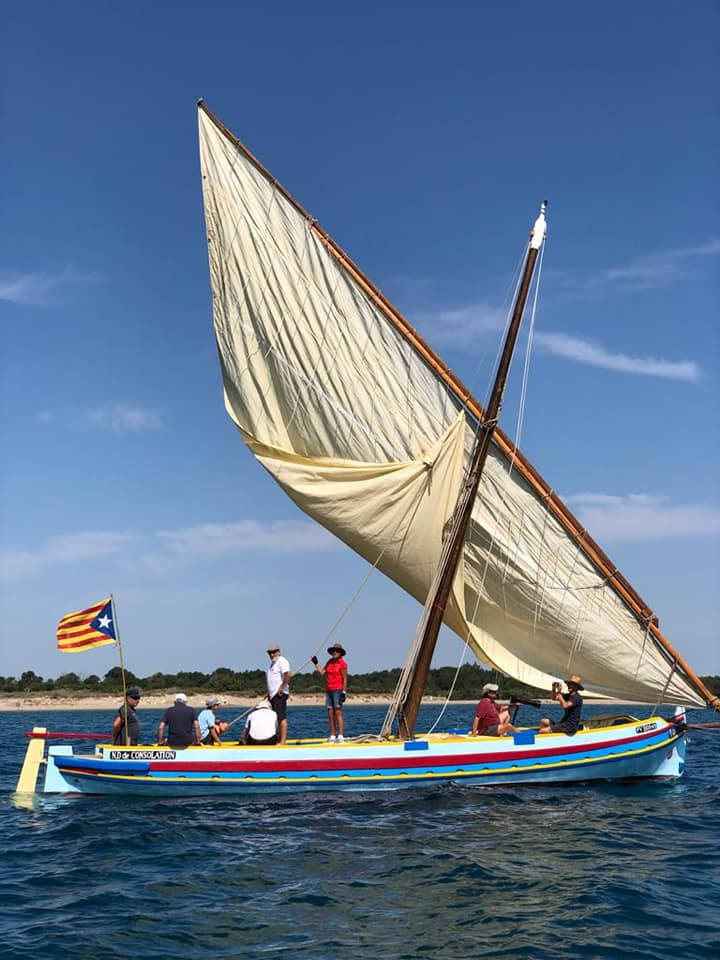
{"x": 650, "y": 748}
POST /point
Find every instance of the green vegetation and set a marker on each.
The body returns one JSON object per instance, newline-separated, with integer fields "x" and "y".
{"x": 252, "y": 682}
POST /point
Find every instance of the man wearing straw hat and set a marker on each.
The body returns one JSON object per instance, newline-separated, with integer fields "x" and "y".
{"x": 572, "y": 705}
{"x": 335, "y": 672}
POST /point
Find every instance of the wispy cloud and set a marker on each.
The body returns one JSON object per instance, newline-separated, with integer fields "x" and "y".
{"x": 281, "y": 537}
{"x": 459, "y": 326}
{"x": 643, "y": 516}
{"x": 584, "y": 351}
{"x": 462, "y": 326}
{"x": 642, "y": 273}
{"x": 123, "y": 418}
{"x": 68, "y": 548}
{"x": 36, "y": 288}
{"x": 162, "y": 550}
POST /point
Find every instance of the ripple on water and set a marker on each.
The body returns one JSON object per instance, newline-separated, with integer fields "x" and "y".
{"x": 602, "y": 872}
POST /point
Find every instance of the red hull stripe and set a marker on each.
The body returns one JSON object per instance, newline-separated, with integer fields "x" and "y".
{"x": 403, "y": 760}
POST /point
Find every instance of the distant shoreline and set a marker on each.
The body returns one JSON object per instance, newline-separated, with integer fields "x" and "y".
{"x": 154, "y": 701}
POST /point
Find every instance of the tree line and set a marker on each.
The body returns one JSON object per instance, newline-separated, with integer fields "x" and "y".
{"x": 470, "y": 680}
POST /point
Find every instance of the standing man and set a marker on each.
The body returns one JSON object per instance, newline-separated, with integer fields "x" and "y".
{"x": 278, "y": 687}
{"x": 126, "y": 725}
{"x": 572, "y": 704}
{"x": 489, "y": 721}
{"x": 182, "y": 724}
{"x": 335, "y": 672}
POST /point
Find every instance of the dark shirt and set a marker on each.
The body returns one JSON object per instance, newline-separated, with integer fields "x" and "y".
{"x": 570, "y": 720}
{"x": 180, "y": 720}
{"x": 487, "y": 715}
{"x": 133, "y": 726}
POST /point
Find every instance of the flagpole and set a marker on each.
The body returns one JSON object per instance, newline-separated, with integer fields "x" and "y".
{"x": 122, "y": 667}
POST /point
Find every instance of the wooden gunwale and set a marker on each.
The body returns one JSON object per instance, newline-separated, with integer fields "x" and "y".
{"x": 616, "y": 580}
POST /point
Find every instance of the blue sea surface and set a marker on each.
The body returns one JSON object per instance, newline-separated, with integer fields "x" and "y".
{"x": 607, "y": 870}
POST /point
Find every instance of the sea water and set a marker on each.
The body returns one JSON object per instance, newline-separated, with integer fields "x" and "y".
{"x": 602, "y": 871}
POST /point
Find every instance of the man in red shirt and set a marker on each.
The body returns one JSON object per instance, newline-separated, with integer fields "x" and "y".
{"x": 489, "y": 721}
{"x": 335, "y": 673}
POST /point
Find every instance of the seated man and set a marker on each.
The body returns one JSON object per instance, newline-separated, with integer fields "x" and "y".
{"x": 210, "y": 726}
{"x": 261, "y": 726}
{"x": 571, "y": 704}
{"x": 182, "y": 725}
{"x": 489, "y": 721}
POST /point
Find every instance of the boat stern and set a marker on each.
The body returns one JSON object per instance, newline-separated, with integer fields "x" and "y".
{"x": 51, "y": 780}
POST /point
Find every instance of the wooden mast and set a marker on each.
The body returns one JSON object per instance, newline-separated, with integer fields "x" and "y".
{"x": 436, "y": 603}
{"x": 562, "y": 513}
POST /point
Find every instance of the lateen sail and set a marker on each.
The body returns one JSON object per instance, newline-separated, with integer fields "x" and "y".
{"x": 339, "y": 405}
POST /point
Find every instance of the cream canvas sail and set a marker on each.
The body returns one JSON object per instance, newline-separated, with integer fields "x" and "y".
{"x": 337, "y": 401}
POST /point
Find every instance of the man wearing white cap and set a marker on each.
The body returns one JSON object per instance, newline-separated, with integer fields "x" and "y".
{"x": 182, "y": 725}
{"x": 261, "y": 726}
{"x": 489, "y": 721}
{"x": 278, "y": 687}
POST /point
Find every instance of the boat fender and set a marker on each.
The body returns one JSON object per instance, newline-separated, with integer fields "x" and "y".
{"x": 524, "y": 737}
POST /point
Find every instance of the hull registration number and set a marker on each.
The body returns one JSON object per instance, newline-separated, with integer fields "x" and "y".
{"x": 643, "y": 728}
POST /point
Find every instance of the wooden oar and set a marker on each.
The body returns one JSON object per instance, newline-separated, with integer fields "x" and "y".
{"x": 713, "y": 725}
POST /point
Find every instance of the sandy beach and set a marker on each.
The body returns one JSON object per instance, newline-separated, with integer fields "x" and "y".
{"x": 156, "y": 701}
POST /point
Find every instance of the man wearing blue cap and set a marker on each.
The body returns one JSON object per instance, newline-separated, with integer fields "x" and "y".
{"x": 126, "y": 725}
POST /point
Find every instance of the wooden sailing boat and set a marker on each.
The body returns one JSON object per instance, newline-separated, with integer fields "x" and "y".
{"x": 371, "y": 434}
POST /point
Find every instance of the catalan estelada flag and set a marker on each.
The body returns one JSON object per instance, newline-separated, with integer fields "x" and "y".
{"x": 85, "y": 629}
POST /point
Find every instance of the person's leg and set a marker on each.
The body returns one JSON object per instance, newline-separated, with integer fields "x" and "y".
{"x": 331, "y": 721}
{"x": 339, "y": 723}
{"x": 544, "y": 725}
{"x": 283, "y": 730}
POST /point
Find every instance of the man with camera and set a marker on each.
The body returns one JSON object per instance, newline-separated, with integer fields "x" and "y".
{"x": 572, "y": 705}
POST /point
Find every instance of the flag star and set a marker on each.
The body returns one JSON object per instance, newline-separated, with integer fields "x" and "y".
{"x": 104, "y": 622}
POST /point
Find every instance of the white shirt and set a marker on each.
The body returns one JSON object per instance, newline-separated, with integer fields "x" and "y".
{"x": 275, "y": 684}
{"x": 262, "y": 723}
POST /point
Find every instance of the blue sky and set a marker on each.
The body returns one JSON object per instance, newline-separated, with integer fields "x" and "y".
{"x": 422, "y": 136}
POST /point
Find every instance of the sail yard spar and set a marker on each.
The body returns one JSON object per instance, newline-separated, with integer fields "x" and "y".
{"x": 370, "y": 433}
